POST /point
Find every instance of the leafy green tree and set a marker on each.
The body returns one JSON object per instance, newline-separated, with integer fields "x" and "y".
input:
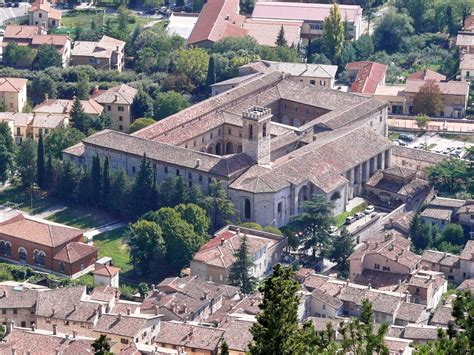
{"x": 224, "y": 348}
{"x": 422, "y": 121}
{"x": 40, "y": 165}
{"x": 211, "y": 74}
{"x": 143, "y": 189}
{"x": 147, "y": 60}
{"x": 195, "y": 216}
{"x": 140, "y": 123}
{"x": 419, "y": 10}
{"x": 359, "y": 335}
{"x": 168, "y": 103}
{"x": 450, "y": 176}
{"x": 62, "y": 138}
{"x": 420, "y": 234}
{"x": 6, "y": 161}
{"x": 142, "y": 289}
{"x": 240, "y": 273}
{"x": 218, "y": 206}
{"x": 454, "y": 234}
{"x": 26, "y": 162}
{"x": 19, "y": 56}
{"x": 47, "y": 56}
{"x": 315, "y": 222}
{"x": 101, "y": 346}
{"x": 281, "y": 40}
{"x": 333, "y": 34}
{"x": 392, "y": 31}
{"x": 276, "y": 330}
{"x": 142, "y": 105}
{"x": 119, "y": 201}
{"x": 147, "y": 247}
{"x": 6, "y": 134}
{"x": 364, "y": 47}
{"x": 105, "y": 183}
{"x": 68, "y": 181}
{"x": 82, "y": 86}
{"x": 247, "y": 6}
{"x": 428, "y": 100}
{"x": 194, "y": 63}
{"x": 41, "y": 86}
{"x": 342, "y": 248}
{"x": 319, "y": 342}
{"x": 96, "y": 181}
{"x": 80, "y": 119}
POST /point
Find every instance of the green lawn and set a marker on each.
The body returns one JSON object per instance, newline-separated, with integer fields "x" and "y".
{"x": 393, "y": 136}
{"x": 340, "y": 219}
{"x": 33, "y": 204}
{"x": 112, "y": 244}
{"x": 81, "y": 218}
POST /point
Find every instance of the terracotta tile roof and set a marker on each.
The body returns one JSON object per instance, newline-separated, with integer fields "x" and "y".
{"x": 49, "y": 121}
{"x": 295, "y": 69}
{"x": 426, "y": 74}
{"x": 465, "y": 39}
{"x": 220, "y": 251}
{"x": 266, "y": 32}
{"x": 237, "y": 335}
{"x": 412, "y": 312}
{"x": 121, "y": 94}
{"x": 190, "y": 336}
{"x": 467, "y": 285}
{"x": 304, "y": 11}
{"x": 446, "y": 202}
{"x": 442, "y": 316}
{"x": 320, "y": 324}
{"x": 101, "y": 49}
{"x": 418, "y": 154}
{"x": 123, "y": 307}
{"x": 19, "y": 119}
{"x": 383, "y": 180}
{"x": 75, "y": 251}
{"x": 17, "y": 297}
{"x": 55, "y": 40}
{"x": 218, "y": 19}
{"x": 432, "y": 256}
{"x": 459, "y": 88}
{"x": 467, "y": 208}
{"x": 312, "y": 282}
{"x": 369, "y": 76}
{"x": 104, "y": 294}
{"x": 63, "y": 106}
{"x": 121, "y": 325}
{"x": 107, "y": 270}
{"x": 322, "y": 296}
{"x": 437, "y": 213}
{"x": 420, "y": 332}
{"x": 39, "y": 231}
{"x": 44, "y": 5}
{"x": 66, "y": 304}
{"x": 469, "y": 23}
{"x": 12, "y": 84}
{"x": 75, "y": 150}
{"x": 468, "y": 251}
{"x": 380, "y": 279}
{"x": 20, "y": 32}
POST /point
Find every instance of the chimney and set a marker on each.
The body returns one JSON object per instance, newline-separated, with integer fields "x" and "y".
{"x": 198, "y": 163}
{"x": 118, "y": 48}
{"x": 407, "y": 296}
{"x": 222, "y": 241}
{"x": 100, "y": 311}
{"x": 74, "y": 333}
{"x": 370, "y": 286}
{"x": 55, "y": 329}
{"x": 129, "y": 311}
{"x": 472, "y": 258}
{"x": 237, "y": 230}
{"x": 399, "y": 283}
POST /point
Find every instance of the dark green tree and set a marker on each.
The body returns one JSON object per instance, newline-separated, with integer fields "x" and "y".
{"x": 333, "y": 34}
{"x": 419, "y": 233}
{"x": 342, "y": 248}
{"x": 140, "y": 123}
{"x": 96, "y": 181}
{"x": 120, "y": 199}
{"x": 281, "y": 40}
{"x": 240, "y": 272}
{"x": 49, "y": 173}
{"x": 454, "y": 234}
{"x": 450, "y": 176}
{"x": 80, "y": 119}
{"x": 219, "y": 207}
{"x": 143, "y": 189}
{"x": 105, "y": 183}
{"x": 26, "y": 162}
{"x": 62, "y": 138}
{"x": 211, "y": 75}
{"x": 41, "y": 86}
{"x": 40, "y": 165}
{"x": 142, "y": 105}
{"x": 276, "y": 330}
{"x": 101, "y": 346}
{"x": 392, "y": 31}
{"x": 47, "y": 56}
{"x": 147, "y": 247}
{"x": 224, "y": 348}
{"x": 168, "y": 103}
{"x": 6, "y": 161}
{"x": 82, "y": 86}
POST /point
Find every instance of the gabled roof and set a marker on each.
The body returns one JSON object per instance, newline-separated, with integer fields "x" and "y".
{"x": 107, "y": 270}
{"x": 20, "y": 32}
{"x": 460, "y": 88}
{"x": 39, "y": 231}
{"x": 74, "y": 251}
{"x": 369, "y": 76}
{"x": 44, "y": 5}
{"x": 120, "y": 94}
{"x": 122, "y": 325}
{"x": 266, "y": 32}
{"x": 64, "y": 106}
{"x": 426, "y": 74}
{"x": 12, "y": 84}
{"x": 101, "y": 49}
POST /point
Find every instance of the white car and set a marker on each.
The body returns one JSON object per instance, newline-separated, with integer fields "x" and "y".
{"x": 369, "y": 209}
{"x": 350, "y": 220}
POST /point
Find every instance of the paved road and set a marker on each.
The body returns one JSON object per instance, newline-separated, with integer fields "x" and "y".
{"x": 434, "y": 126}
{"x": 50, "y": 211}
{"x": 7, "y": 13}
{"x": 90, "y": 234}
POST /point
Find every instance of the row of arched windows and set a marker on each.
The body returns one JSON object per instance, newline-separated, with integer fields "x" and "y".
{"x": 39, "y": 256}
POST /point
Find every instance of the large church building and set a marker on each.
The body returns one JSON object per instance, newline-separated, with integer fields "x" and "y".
{"x": 272, "y": 142}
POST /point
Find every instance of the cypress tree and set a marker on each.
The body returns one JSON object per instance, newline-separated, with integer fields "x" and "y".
{"x": 105, "y": 183}
{"x": 224, "y": 348}
{"x": 277, "y": 330}
{"x": 142, "y": 193}
{"x": 239, "y": 273}
{"x": 281, "y": 40}
{"x": 78, "y": 117}
{"x": 5, "y": 161}
{"x": 96, "y": 181}
{"x": 211, "y": 74}
{"x": 40, "y": 167}
{"x": 49, "y": 173}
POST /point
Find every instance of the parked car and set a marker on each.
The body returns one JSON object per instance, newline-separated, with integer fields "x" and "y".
{"x": 350, "y": 219}
{"x": 400, "y": 142}
{"x": 16, "y": 4}
{"x": 407, "y": 137}
{"x": 9, "y": 4}
{"x": 369, "y": 209}
{"x": 359, "y": 215}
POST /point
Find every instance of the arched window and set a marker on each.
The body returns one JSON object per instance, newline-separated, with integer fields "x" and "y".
{"x": 247, "y": 209}
{"x": 250, "y": 131}
{"x": 218, "y": 148}
{"x": 61, "y": 267}
{"x": 239, "y": 148}
{"x": 8, "y": 249}
{"x": 22, "y": 254}
{"x": 229, "y": 148}
{"x": 264, "y": 130}
{"x": 2, "y": 248}
{"x": 39, "y": 258}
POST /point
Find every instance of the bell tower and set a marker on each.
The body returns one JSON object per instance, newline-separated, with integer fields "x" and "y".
{"x": 256, "y": 122}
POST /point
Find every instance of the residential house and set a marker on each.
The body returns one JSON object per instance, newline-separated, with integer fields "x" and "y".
{"x": 394, "y": 95}
{"x": 61, "y": 42}
{"x": 117, "y": 102}
{"x": 44, "y": 124}
{"x": 395, "y": 186}
{"x": 442, "y": 211}
{"x": 20, "y": 124}
{"x": 42, "y": 14}
{"x": 435, "y": 216}
{"x": 382, "y": 260}
{"x": 466, "y": 259}
{"x": 106, "y": 275}
{"x": 13, "y": 93}
{"x": 18, "y": 303}
{"x": 446, "y": 263}
{"x": 467, "y": 284}
{"x": 237, "y": 335}
{"x": 426, "y": 288}
{"x": 442, "y": 317}
{"x": 465, "y": 41}
{"x": 311, "y": 14}
{"x": 106, "y": 54}
{"x": 44, "y": 244}
{"x": 123, "y": 329}
{"x": 307, "y": 73}
{"x": 411, "y": 313}
{"x": 192, "y": 339}
{"x": 366, "y": 77}
{"x": 324, "y": 305}
{"x": 215, "y": 258}
{"x": 416, "y": 159}
{"x": 64, "y": 107}
{"x": 466, "y": 67}
{"x": 421, "y": 333}
{"x": 465, "y": 216}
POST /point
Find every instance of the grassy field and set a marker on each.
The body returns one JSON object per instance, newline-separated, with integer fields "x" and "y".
{"x": 112, "y": 244}
{"x": 81, "y": 218}
{"x": 33, "y": 204}
{"x": 339, "y": 220}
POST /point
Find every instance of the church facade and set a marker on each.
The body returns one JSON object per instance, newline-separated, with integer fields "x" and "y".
{"x": 271, "y": 142}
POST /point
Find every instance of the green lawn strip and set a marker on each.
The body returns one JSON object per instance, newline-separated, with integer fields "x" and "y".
{"x": 41, "y": 202}
{"x": 393, "y": 136}
{"x": 81, "y": 218}
{"x": 340, "y": 219}
{"x": 431, "y": 146}
{"x": 112, "y": 244}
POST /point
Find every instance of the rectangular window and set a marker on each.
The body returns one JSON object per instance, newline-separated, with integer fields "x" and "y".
{"x": 177, "y": 172}
{"x": 4, "y": 311}
{"x": 377, "y": 266}
{"x": 120, "y": 108}
{"x": 124, "y": 341}
{"x": 15, "y": 311}
{"x": 120, "y": 118}
{"x": 190, "y": 176}
{"x": 210, "y": 136}
{"x": 200, "y": 179}
{"x": 322, "y": 83}
{"x": 312, "y": 82}
{"x": 120, "y": 128}
{"x": 166, "y": 170}
{"x": 229, "y": 131}
{"x": 109, "y": 108}
{"x": 324, "y": 306}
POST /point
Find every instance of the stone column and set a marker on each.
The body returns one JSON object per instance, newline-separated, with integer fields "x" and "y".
{"x": 373, "y": 165}
{"x": 350, "y": 177}
{"x": 388, "y": 158}
{"x": 366, "y": 172}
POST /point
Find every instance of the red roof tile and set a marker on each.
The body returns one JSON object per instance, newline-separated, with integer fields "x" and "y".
{"x": 107, "y": 270}
{"x": 369, "y": 76}
{"x": 426, "y": 74}
{"x": 74, "y": 251}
